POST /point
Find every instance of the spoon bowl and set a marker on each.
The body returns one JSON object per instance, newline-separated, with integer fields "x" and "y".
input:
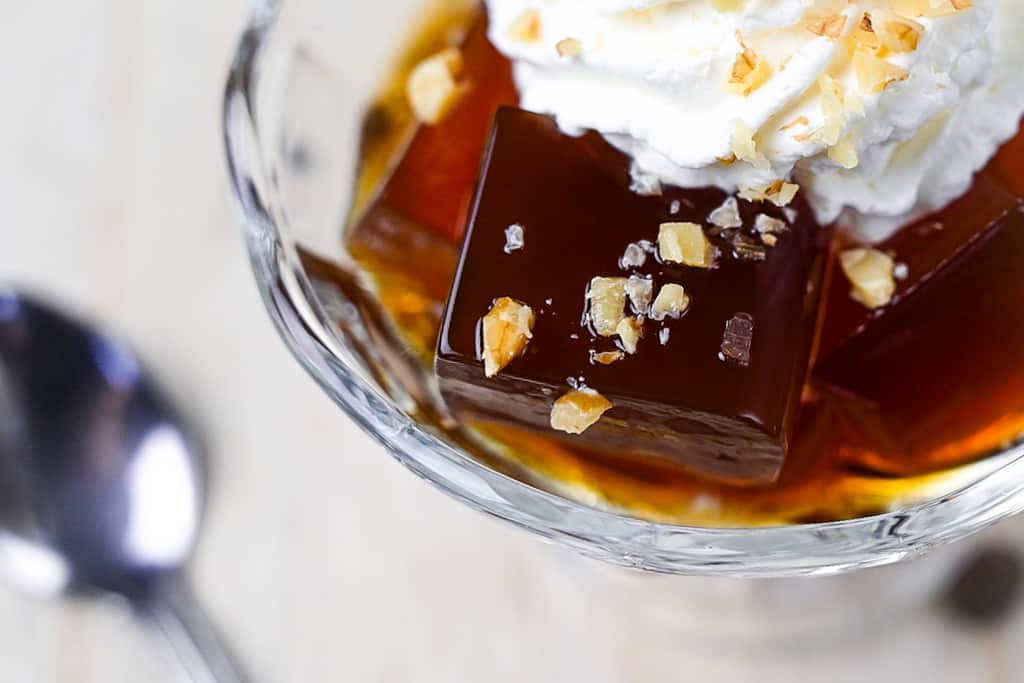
{"x": 101, "y": 484}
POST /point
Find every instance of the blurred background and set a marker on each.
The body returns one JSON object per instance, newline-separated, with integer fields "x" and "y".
{"x": 320, "y": 559}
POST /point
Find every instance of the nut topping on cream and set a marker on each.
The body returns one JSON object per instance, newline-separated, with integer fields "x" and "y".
{"x": 876, "y": 108}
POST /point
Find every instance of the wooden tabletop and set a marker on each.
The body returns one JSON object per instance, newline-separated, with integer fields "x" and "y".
{"x": 322, "y": 559}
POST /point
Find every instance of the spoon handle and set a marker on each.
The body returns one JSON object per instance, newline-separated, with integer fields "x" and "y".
{"x": 178, "y": 619}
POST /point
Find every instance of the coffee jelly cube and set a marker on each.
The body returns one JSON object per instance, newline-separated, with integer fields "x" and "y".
{"x": 938, "y": 377}
{"x": 432, "y": 181}
{"x": 921, "y": 251}
{"x": 712, "y": 386}
{"x": 407, "y": 234}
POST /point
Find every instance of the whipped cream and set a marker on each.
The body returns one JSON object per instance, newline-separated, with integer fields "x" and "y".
{"x": 877, "y": 119}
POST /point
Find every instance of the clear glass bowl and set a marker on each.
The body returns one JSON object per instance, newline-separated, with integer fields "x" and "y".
{"x": 304, "y": 72}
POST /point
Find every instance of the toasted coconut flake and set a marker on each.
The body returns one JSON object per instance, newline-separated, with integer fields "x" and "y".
{"x": 569, "y": 47}
{"x": 830, "y": 26}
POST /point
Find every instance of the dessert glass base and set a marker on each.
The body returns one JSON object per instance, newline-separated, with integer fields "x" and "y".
{"x": 301, "y": 83}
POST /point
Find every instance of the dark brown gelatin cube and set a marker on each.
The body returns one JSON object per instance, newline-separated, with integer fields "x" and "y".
{"x": 682, "y": 401}
{"x": 938, "y": 379}
{"x": 924, "y": 248}
{"x": 407, "y": 236}
{"x": 432, "y": 181}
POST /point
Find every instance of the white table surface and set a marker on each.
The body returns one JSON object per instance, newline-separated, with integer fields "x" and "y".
{"x": 322, "y": 559}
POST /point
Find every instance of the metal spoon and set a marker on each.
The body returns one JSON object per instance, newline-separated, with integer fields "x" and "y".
{"x": 101, "y": 488}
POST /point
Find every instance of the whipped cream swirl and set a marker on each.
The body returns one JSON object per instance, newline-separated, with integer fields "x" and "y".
{"x": 879, "y": 109}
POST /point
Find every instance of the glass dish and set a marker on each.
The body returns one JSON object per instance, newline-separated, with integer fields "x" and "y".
{"x": 302, "y": 77}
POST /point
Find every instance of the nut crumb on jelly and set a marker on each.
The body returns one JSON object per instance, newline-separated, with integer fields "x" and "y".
{"x": 515, "y": 238}
{"x": 433, "y": 87}
{"x": 633, "y": 257}
{"x": 727, "y": 215}
{"x": 629, "y": 331}
{"x": 872, "y": 274}
{"x": 672, "y": 301}
{"x": 606, "y": 357}
{"x": 607, "y": 304}
{"x": 765, "y": 224}
{"x": 685, "y": 243}
{"x": 507, "y": 329}
{"x": 578, "y": 411}
{"x": 640, "y": 291}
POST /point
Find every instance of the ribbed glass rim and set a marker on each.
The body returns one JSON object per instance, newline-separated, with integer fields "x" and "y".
{"x": 810, "y": 549}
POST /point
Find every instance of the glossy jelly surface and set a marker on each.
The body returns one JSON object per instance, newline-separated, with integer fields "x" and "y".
{"x": 833, "y": 470}
{"x": 680, "y": 395}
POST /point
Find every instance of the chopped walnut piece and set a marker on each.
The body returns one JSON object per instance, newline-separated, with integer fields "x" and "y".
{"x": 633, "y": 257}
{"x": 872, "y": 274}
{"x": 640, "y": 291}
{"x": 507, "y": 329}
{"x": 578, "y": 411}
{"x": 672, "y": 301}
{"x": 685, "y": 243}
{"x": 630, "y": 330}
{"x": 727, "y": 215}
{"x": 607, "y": 298}
{"x": 433, "y": 87}
{"x": 764, "y": 224}
{"x": 606, "y": 357}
